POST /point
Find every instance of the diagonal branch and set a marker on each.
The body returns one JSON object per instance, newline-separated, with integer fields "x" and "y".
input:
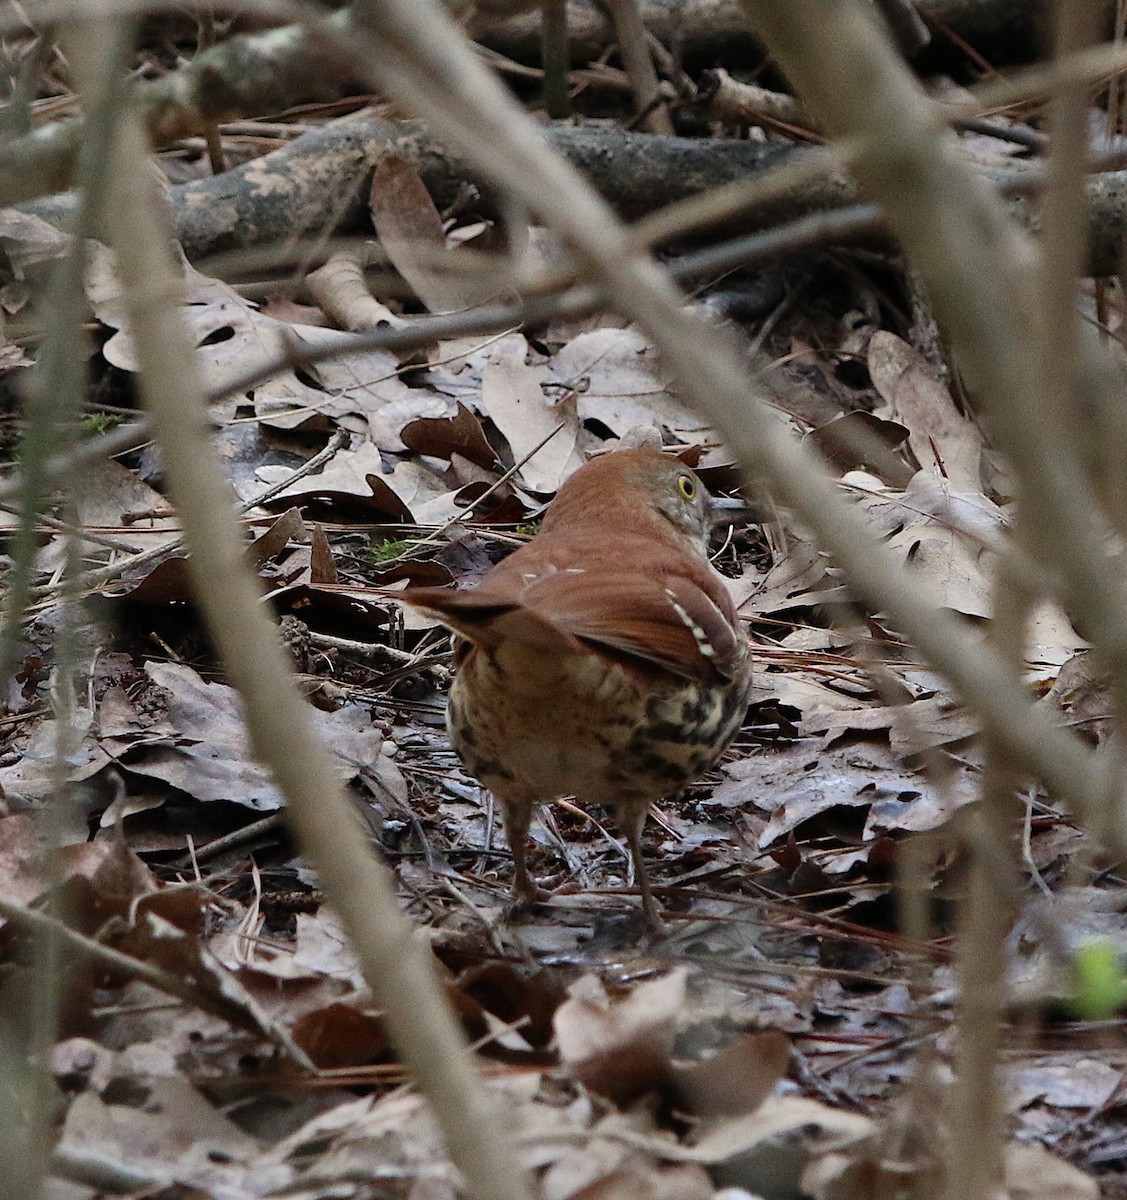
{"x": 397, "y": 964}
{"x": 421, "y": 58}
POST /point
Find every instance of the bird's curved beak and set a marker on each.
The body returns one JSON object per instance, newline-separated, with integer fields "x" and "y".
{"x": 733, "y": 510}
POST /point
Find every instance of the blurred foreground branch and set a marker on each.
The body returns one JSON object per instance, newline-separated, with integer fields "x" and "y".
{"x": 397, "y": 965}
{"x": 416, "y": 53}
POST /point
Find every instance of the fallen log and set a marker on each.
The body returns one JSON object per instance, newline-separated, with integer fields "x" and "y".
{"x": 1002, "y": 31}
{"x": 317, "y": 184}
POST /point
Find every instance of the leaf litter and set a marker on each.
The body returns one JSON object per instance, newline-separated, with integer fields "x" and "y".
{"x": 773, "y": 1042}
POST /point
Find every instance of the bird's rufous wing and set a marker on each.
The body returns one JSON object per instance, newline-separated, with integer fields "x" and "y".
{"x": 673, "y": 621}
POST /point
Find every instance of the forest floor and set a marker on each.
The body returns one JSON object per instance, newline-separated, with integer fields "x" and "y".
{"x": 791, "y": 1032}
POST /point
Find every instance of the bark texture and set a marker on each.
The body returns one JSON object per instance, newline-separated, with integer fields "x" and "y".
{"x": 317, "y": 184}
{"x": 1003, "y": 31}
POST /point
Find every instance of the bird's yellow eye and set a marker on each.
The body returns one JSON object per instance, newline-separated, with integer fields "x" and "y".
{"x": 686, "y": 485}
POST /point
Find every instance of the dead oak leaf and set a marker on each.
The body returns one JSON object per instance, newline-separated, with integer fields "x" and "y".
{"x": 941, "y": 438}
{"x": 620, "y": 1047}
{"x": 210, "y": 757}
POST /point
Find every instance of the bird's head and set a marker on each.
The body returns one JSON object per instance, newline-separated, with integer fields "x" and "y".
{"x": 634, "y": 487}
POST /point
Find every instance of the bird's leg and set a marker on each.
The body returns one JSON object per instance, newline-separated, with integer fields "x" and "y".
{"x": 632, "y": 823}
{"x": 518, "y": 817}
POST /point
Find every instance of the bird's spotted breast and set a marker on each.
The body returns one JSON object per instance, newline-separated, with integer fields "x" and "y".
{"x": 684, "y": 733}
{"x": 589, "y": 727}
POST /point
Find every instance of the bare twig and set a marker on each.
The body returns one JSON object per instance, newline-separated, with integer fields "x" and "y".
{"x": 974, "y": 1164}
{"x": 425, "y": 60}
{"x": 554, "y": 53}
{"x": 975, "y": 261}
{"x": 397, "y": 966}
{"x": 86, "y": 949}
{"x": 632, "y": 42}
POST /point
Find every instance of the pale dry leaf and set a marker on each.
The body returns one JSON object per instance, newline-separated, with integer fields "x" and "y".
{"x": 1085, "y": 1083}
{"x": 954, "y": 571}
{"x": 820, "y": 1127}
{"x": 1032, "y": 1173}
{"x": 846, "y": 1176}
{"x": 842, "y": 780}
{"x": 930, "y": 809}
{"x": 408, "y": 224}
{"x": 89, "y": 1064}
{"x": 622, "y": 385}
{"x": 927, "y": 498}
{"x": 590, "y": 1023}
{"x": 340, "y": 289}
{"x": 30, "y": 243}
{"x": 124, "y": 805}
{"x": 513, "y": 397}
{"x": 813, "y": 639}
{"x": 426, "y": 1187}
{"x": 405, "y": 493}
{"x": 800, "y": 783}
{"x": 801, "y": 573}
{"x": 323, "y": 948}
{"x": 635, "y": 1179}
{"x": 1052, "y": 641}
{"x": 113, "y": 497}
{"x": 1081, "y": 692}
{"x": 945, "y": 536}
{"x": 40, "y": 769}
{"x": 577, "y": 1169}
{"x": 174, "y": 1137}
{"x": 803, "y": 691}
{"x": 941, "y": 438}
{"x": 21, "y": 859}
{"x": 249, "y": 955}
{"x": 363, "y": 390}
{"x": 912, "y": 728}
{"x": 211, "y": 757}
{"x": 397, "y": 1131}
{"x": 158, "y": 940}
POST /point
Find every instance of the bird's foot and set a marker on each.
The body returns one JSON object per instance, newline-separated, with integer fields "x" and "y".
{"x": 526, "y": 895}
{"x": 655, "y": 930}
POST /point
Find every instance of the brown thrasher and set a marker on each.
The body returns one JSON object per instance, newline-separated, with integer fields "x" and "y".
{"x": 603, "y": 659}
